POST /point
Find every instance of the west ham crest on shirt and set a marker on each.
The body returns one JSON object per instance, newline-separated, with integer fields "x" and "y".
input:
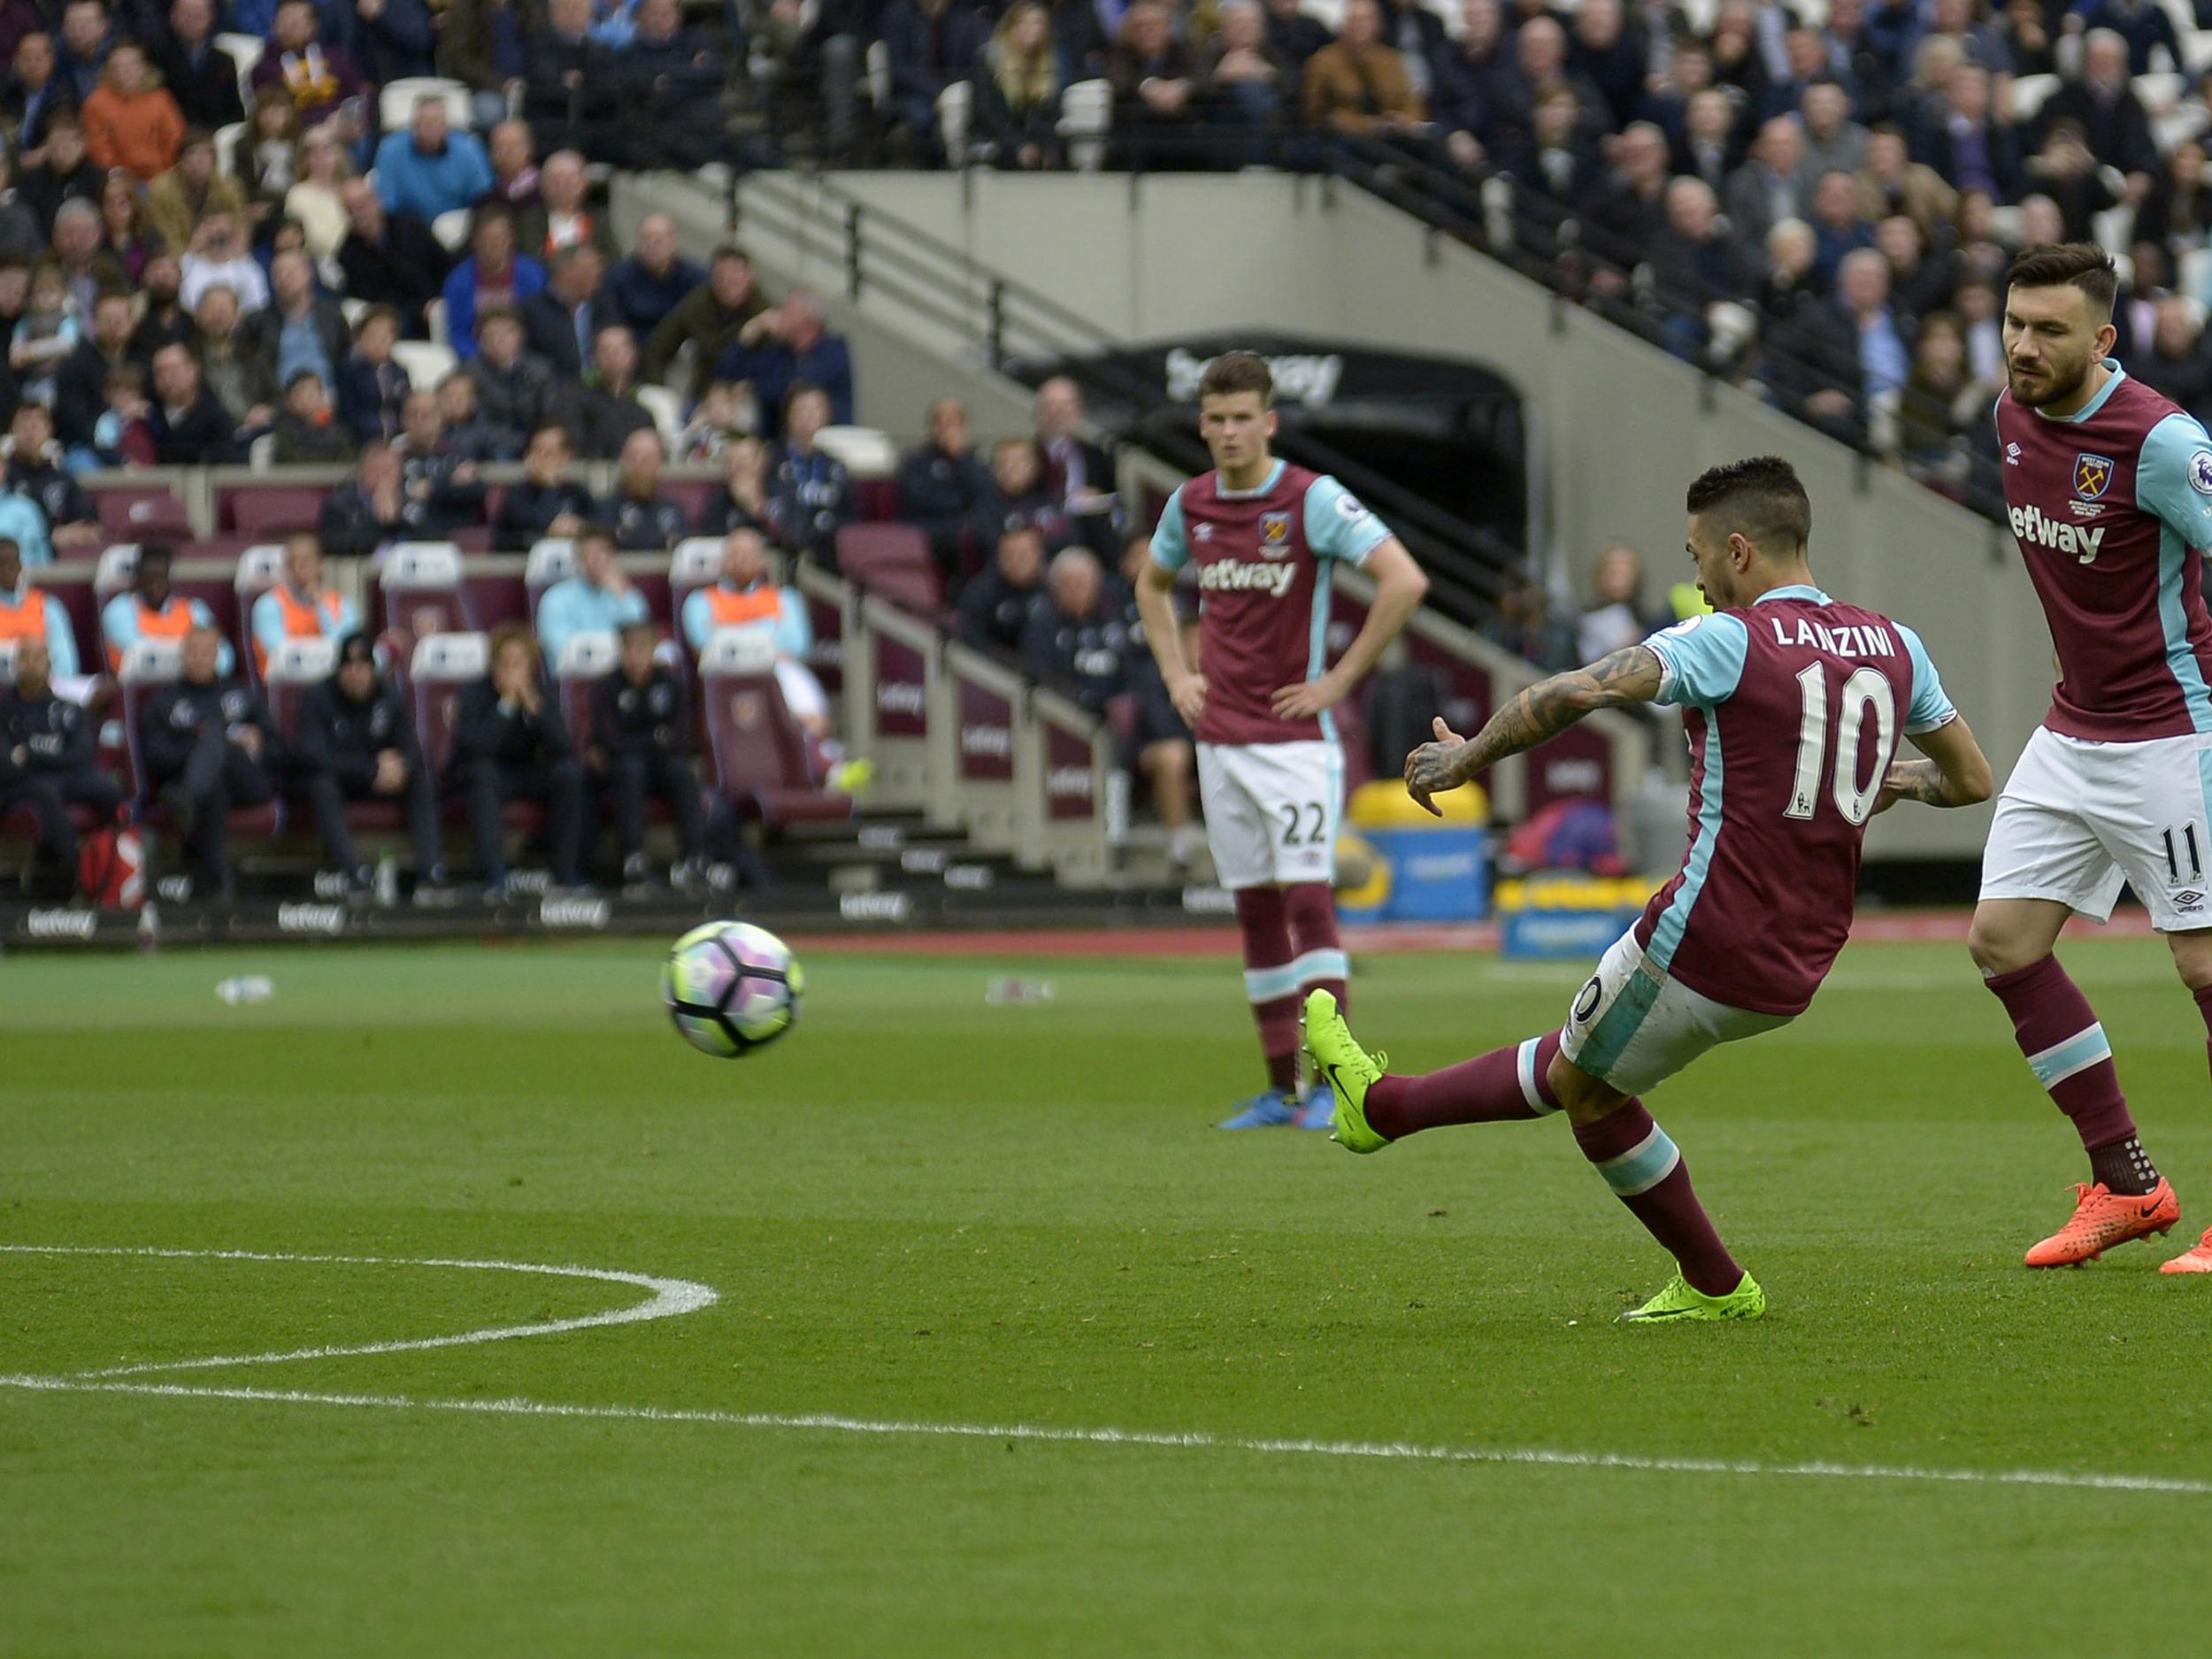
{"x": 1274, "y": 534}
{"x": 2093, "y": 475}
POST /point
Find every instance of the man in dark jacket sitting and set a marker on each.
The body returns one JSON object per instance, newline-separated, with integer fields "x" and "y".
{"x": 640, "y": 744}
{"x": 210, "y": 749}
{"x": 994, "y": 607}
{"x": 509, "y": 743}
{"x": 354, "y": 741}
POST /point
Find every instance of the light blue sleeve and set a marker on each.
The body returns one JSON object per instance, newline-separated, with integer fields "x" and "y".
{"x": 794, "y": 630}
{"x": 1339, "y": 525}
{"x": 1171, "y": 546}
{"x": 1700, "y": 661}
{"x": 268, "y": 624}
{"x": 1930, "y": 705}
{"x": 226, "y": 658}
{"x": 630, "y": 608}
{"x": 698, "y": 620}
{"x": 118, "y": 627}
{"x": 2173, "y": 480}
{"x": 61, "y": 640}
{"x": 349, "y": 618}
{"x": 553, "y": 626}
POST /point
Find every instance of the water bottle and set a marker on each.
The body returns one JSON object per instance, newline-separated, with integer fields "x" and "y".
{"x": 387, "y": 881}
{"x": 250, "y": 988}
{"x": 149, "y": 928}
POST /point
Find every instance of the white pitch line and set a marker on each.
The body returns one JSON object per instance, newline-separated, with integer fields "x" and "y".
{"x": 1379, "y": 1450}
{"x": 670, "y": 1297}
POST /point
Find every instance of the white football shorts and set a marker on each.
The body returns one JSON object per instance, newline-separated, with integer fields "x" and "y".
{"x": 1635, "y": 1027}
{"x": 1271, "y": 811}
{"x": 2076, "y": 819}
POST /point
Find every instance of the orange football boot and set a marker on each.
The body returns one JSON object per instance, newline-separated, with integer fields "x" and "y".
{"x": 2196, "y": 1261}
{"x": 2103, "y": 1219}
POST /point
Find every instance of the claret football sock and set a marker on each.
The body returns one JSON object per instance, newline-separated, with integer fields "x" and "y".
{"x": 1320, "y": 962}
{"x": 1271, "y": 982}
{"x": 2066, "y": 1049}
{"x": 1646, "y": 1173}
{"x": 1501, "y": 1087}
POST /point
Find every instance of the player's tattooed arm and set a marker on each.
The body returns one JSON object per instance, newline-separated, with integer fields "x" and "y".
{"x": 1955, "y": 773}
{"x": 1536, "y": 715}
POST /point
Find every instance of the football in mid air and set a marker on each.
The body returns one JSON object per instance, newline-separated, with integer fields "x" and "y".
{"x": 731, "y": 987}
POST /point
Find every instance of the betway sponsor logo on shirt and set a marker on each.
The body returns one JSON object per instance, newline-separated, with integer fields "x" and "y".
{"x": 2080, "y": 541}
{"x": 1239, "y": 576}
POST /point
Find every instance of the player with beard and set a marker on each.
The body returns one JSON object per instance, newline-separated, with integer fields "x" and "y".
{"x": 2108, "y": 489}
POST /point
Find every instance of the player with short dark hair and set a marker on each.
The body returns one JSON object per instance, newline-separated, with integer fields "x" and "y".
{"x": 1793, "y": 703}
{"x": 2108, "y": 489}
{"x": 1264, "y": 537}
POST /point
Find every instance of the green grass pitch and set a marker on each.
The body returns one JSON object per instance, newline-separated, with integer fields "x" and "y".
{"x": 919, "y": 1209}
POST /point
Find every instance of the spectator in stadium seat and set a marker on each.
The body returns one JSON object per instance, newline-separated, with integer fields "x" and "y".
{"x": 1016, "y": 83}
{"x": 1628, "y": 209}
{"x": 599, "y": 598}
{"x": 1833, "y": 141}
{"x": 129, "y": 121}
{"x": 84, "y": 45}
{"x": 1964, "y": 142}
{"x": 267, "y": 153}
{"x": 1541, "y": 67}
{"x": 1919, "y": 281}
{"x": 558, "y": 217}
{"x": 1941, "y": 401}
{"x": 389, "y": 258}
{"x": 369, "y": 509}
{"x": 24, "y": 523}
{"x": 558, "y": 325}
{"x": 745, "y": 502}
{"x": 462, "y": 429}
{"x": 210, "y": 750}
{"x": 1891, "y": 183}
{"x": 792, "y": 346}
{"x": 371, "y": 388}
{"x": 1360, "y": 85}
{"x": 2030, "y": 37}
{"x": 2177, "y": 361}
{"x": 513, "y": 387}
{"x": 1527, "y": 627}
{"x": 188, "y": 426}
{"x": 1694, "y": 266}
{"x": 1838, "y": 228}
{"x": 64, "y": 173}
{"x": 1243, "y": 81}
{"x": 640, "y": 517}
{"x": 1073, "y": 643}
{"x": 670, "y": 82}
{"x": 1019, "y": 495}
{"x": 1613, "y": 56}
{"x": 219, "y": 258}
{"x": 644, "y": 288}
{"x": 200, "y": 75}
{"x": 27, "y": 613}
{"x": 1765, "y": 191}
{"x": 550, "y": 501}
{"x": 355, "y": 740}
{"x": 1617, "y": 615}
{"x": 1885, "y": 337}
{"x": 429, "y": 169}
{"x": 150, "y": 609}
{"x": 942, "y": 486}
{"x": 50, "y": 758}
{"x": 308, "y": 432}
{"x": 509, "y": 743}
{"x": 932, "y": 43}
{"x": 1155, "y": 92}
{"x": 994, "y": 607}
{"x": 2176, "y": 214}
{"x": 33, "y": 93}
{"x": 640, "y": 744}
{"x": 317, "y": 78}
{"x": 34, "y": 471}
{"x": 162, "y": 319}
{"x": 301, "y": 606}
{"x": 2065, "y": 170}
{"x": 1293, "y": 34}
{"x": 749, "y": 594}
{"x": 395, "y": 39}
{"x": 1077, "y": 475}
{"x": 317, "y": 199}
{"x": 1705, "y": 148}
{"x": 1810, "y": 360}
{"x": 1555, "y": 160}
{"x": 569, "y": 83}
{"x": 1467, "y": 79}
{"x": 20, "y": 237}
{"x": 299, "y": 328}
{"x": 2140, "y": 24}
{"x": 811, "y": 490}
{"x": 601, "y": 410}
{"x": 240, "y": 380}
{"x": 494, "y": 273}
{"x": 514, "y": 167}
{"x": 711, "y": 319}
{"x": 441, "y": 486}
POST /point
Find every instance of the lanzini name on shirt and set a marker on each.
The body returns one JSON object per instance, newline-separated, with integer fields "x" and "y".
{"x": 1859, "y": 639}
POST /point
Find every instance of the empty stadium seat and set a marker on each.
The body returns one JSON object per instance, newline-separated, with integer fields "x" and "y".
{"x": 395, "y": 105}
{"x": 955, "y": 105}
{"x": 759, "y": 751}
{"x": 295, "y": 666}
{"x": 586, "y": 660}
{"x": 866, "y": 453}
{"x": 1086, "y": 115}
{"x": 259, "y": 569}
{"x": 421, "y": 584}
{"x": 265, "y": 510}
{"x": 488, "y": 599}
{"x": 117, "y": 564}
{"x": 552, "y": 559}
{"x": 893, "y": 560}
{"x": 426, "y": 361}
{"x": 697, "y": 563}
{"x": 666, "y": 408}
{"x": 451, "y": 230}
{"x": 147, "y": 512}
{"x": 439, "y": 667}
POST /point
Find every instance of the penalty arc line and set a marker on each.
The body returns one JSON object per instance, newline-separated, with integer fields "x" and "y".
{"x": 1377, "y": 1450}
{"x": 670, "y": 1298}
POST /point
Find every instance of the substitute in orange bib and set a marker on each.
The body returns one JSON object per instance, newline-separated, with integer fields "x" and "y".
{"x": 26, "y": 613}
{"x": 300, "y": 607}
{"x": 150, "y": 610}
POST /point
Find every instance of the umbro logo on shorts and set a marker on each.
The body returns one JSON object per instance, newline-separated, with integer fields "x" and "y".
{"x": 2189, "y": 902}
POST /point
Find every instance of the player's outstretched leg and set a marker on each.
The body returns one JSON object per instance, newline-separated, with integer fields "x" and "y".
{"x": 1320, "y": 965}
{"x": 1373, "y": 1107}
{"x": 1271, "y": 984}
{"x": 2125, "y": 1197}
